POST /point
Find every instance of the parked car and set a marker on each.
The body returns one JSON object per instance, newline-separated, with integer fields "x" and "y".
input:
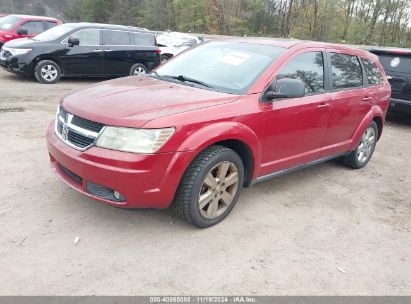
{"x": 82, "y": 50}
{"x": 173, "y": 43}
{"x": 23, "y": 26}
{"x": 222, "y": 116}
{"x": 397, "y": 66}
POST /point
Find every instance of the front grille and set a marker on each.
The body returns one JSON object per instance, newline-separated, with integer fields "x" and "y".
{"x": 72, "y": 174}
{"x": 75, "y": 131}
{"x": 87, "y": 124}
{"x": 79, "y": 140}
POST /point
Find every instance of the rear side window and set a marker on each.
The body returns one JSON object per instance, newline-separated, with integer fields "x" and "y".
{"x": 32, "y": 27}
{"x": 372, "y": 71}
{"x": 144, "y": 39}
{"x": 346, "y": 71}
{"x": 307, "y": 67}
{"x": 111, "y": 37}
{"x": 396, "y": 63}
{"x": 50, "y": 24}
{"x": 88, "y": 37}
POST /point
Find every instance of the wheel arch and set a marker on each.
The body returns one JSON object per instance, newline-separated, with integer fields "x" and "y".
{"x": 235, "y": 136}
{"x": 45, "y": 57}
{"x": 375, "y": 115}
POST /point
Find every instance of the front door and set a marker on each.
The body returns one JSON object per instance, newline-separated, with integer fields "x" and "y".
{"x": 296, "y": 127}
{"x": 87, "y": 58}
{"x": 32, "y": 29}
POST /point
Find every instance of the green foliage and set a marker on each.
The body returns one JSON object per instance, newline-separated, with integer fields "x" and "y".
{"x": 375, "y": 22}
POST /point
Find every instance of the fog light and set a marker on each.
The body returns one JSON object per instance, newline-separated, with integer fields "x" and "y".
{"x": 117, "y": 195}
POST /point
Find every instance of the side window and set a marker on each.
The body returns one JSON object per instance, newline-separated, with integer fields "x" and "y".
{"x": 346, "y": 71}
{"x": 111, "y": 37}
{"x": 50, "y": 24}
{"x": 143, "y": 39}
{"x": 32, "y": 27}
{"x": 88, "y": 37}
{"x": 373, "y": 73}
{"x": 307, "y": 67}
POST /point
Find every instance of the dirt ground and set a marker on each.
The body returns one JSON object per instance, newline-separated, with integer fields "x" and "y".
{"x": 326, "y": 230}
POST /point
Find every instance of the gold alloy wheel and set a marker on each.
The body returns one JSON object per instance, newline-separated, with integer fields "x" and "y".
{"x": 218, "y": 190}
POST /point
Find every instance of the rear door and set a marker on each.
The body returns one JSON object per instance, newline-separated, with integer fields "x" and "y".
{"x": 351, "y": 101}
{"x": 145, "y": 50}
{"x": 87, "y": 58}
{"x": 117, "y": 45}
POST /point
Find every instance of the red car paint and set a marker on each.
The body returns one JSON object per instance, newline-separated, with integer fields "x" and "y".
{"x": 11, "y": 33}
{"x": 280, "y": 135}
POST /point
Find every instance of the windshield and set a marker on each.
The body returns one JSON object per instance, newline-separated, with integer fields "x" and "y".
{"x": 230, "y": 67}
{"x": 54, "y": 33}
{"x": 9, "y": 22}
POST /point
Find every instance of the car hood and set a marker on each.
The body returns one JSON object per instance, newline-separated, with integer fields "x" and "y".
{"x": 135, "y": 100}
{"x": 20, "y": 43}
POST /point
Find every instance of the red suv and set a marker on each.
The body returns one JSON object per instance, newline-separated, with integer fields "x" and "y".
{"x": 22, "y": 26}
{"x": 222, "y": 116}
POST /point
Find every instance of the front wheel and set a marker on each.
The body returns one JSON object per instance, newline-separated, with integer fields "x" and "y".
{"x": 365, "y": 149}
{"x": 138, "y": 69}
{"x": 47, "y": 71}
{"x": 210, "y": 187}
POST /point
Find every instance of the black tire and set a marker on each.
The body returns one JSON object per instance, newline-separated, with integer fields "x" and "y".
{"x": 352, "y": 159}
{"x": 187, "y": 195}
{"x": 55, "y": 72}
{"x": 138, "y": 67}
{"x": 164, "y": 58}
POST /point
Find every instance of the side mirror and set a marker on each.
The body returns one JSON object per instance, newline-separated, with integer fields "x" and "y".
{"x": 72, "y": 41}
{"x": 22, "y": 32}
{"x": 286, "y": 88}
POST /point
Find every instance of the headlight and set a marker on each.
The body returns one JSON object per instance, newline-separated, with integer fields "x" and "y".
{"x": 15, "y": 52}
{"x": 134, "y": 140}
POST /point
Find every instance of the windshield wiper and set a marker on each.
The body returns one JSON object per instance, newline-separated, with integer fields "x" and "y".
{"x": 183, "y": 78}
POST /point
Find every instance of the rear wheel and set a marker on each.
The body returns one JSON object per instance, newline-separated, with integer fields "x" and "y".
{"x": 138, "y": 69}
{"x": 365, "y": 149}
{"x": 47, "y": 71}
{"x": 210, "y": 187}
{"x": 164, "y": 58}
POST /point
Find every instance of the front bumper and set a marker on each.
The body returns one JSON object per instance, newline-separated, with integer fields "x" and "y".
{"x": 400, "y": 105}
{"x": 17, "y": 65}
{"x": 145, "y": 181}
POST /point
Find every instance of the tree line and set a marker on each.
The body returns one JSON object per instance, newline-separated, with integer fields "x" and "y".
{"x": 363, "y": 22}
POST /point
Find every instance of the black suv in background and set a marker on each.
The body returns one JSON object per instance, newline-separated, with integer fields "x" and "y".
{"x": 82, "y": 50}
{"x": 397, "y": 66}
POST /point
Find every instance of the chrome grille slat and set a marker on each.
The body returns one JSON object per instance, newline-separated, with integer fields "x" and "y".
{"x": 76, "y": 132}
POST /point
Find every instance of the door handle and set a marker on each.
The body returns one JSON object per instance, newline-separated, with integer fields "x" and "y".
{"x": 367, "y": 98}
{"x": 97, "y": 50}
{"x": 108, "y": 50}
{"x": 323, "y": 105}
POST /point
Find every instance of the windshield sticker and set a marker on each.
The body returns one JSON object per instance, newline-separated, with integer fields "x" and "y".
{"x": 395, "y": 62}
{"x": 6, "y": 26}
{"x": 234, "y": 58}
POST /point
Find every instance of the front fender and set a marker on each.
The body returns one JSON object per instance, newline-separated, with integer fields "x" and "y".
{"x": 374, "y": 112}
{"x": 217, "y": 132}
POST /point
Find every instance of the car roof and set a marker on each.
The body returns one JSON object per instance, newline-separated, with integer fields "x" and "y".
{"x": 291, "y": 43}
{"x": 34, "y": 17}
{"x": 393, "y": 51}
{"x": 107, "y": 26}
